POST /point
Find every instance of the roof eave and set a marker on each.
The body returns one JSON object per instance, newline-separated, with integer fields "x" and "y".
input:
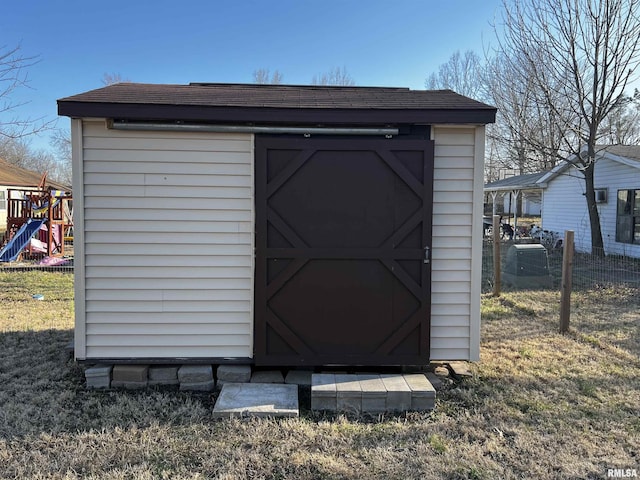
{"x": 535, "y": 186}
{"x": 198, "y": 113}
{"x": 620, "y": 159}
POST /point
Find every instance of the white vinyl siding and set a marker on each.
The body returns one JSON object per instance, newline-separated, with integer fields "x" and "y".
{"x": 168, "y": 244}
{"x": 454, "y": 313}
{"x": 565, "y": 207}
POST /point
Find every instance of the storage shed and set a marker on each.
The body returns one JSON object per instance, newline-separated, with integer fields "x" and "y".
{"x": 277, "y": 225}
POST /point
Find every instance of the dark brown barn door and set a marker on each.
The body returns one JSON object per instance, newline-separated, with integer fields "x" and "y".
{"x": 343, "y": 231}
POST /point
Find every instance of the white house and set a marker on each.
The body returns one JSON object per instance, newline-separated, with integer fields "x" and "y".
{"x": 518, "y": 188}
{"x": 277, "y": 225}
{"x": 617, "y": 183}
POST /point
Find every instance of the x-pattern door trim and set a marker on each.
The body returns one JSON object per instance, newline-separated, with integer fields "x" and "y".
{"x": 301, "y": 253}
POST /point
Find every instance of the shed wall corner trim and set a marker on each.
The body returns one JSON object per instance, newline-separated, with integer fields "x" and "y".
{"x": 77, "y": 160}
{"x": 476, "y": 255}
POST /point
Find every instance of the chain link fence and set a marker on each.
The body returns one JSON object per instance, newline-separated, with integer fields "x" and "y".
{"x": 29, "y": 261}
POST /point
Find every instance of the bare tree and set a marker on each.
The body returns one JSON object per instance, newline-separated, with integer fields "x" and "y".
{"x": 462, "y": 73}
{"x": 18, "y": 151}
{"x": 264, "y": 76}
{"x": 113, "y": 78}
{"x": 336, "y": 76}
{"x": 527, "y": 135}
{"x": 13, "y": 77}
{"x": 60, "y": 140}
{"x": 465, "y": 74}
{"x": 583, "y": 51}
{"x": 622, "y": 125}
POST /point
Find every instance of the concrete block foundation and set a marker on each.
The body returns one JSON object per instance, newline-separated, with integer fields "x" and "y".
{"x": 234, "y": 374}
{"x": 333, "y": 392}
{"x": 195, "y": 373}
{"x": 163, "y": 375}
{"x": 98, "y": 376}
{"x": 130, "y": 373}
{"x": 207, "y": 386}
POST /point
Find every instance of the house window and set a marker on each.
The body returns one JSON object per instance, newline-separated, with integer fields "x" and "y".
{"x": 3, "y": 200}
{"x": 628, "y": 217}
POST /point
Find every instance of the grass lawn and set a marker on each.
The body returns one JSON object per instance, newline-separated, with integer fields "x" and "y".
{"x": 540, "y": 405}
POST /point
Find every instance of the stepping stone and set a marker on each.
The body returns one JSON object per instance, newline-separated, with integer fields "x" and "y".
{"x": 398, "y": 393}
{"x": 256, "y": 400}
{"x": 374, "y": 394}
{"x": 460, "y": 369}
{"x": 423, "y": 395}
{"x": 323, "y": 392}
{"x": 270, "y": 376}
{"x": 348, "y": 393}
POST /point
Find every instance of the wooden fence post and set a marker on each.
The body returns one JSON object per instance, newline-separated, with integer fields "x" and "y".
{"x": 565, "y": 292}
{"x": 496, "y": 256}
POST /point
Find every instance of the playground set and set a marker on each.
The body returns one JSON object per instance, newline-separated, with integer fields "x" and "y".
{"x": 38, "y": 221}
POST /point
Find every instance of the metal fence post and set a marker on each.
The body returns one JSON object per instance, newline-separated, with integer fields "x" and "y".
{"x": 565, "y": 292}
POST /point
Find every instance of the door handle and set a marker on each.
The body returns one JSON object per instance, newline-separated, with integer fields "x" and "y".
{"x": 427, "y": 255}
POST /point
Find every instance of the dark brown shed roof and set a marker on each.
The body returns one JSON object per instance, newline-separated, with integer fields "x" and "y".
{"x": 13, "y": 176}
{"x": 220, "y": 102}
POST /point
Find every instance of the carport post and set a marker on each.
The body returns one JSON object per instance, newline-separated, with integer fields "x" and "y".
{"x": 516, "y": 193}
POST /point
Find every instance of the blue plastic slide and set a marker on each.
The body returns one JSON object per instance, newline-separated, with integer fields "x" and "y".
{"x": 20, "y": 240}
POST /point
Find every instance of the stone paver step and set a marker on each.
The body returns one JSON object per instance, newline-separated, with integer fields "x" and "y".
{"x": 372, "y": 393}
{"x": 257, "y": 400}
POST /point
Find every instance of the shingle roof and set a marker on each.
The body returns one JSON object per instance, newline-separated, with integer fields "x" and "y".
{"x": 624, "y": 154}
{"x": 631, "y": 152}
{"x": 198, "y": 99}
{"x": 517, "y": 182}
{"x": 14, "y": 176}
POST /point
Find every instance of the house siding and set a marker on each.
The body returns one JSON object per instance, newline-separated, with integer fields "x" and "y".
{"x": 565, "y": 208}
{"x": 167, "y": 256}
{"x": 454, "y": 315}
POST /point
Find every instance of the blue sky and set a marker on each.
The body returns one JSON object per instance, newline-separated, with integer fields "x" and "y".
{"x": 381, "y": 43}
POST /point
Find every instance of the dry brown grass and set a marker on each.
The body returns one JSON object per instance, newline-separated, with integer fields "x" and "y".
{"x": 540, "y": 405}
